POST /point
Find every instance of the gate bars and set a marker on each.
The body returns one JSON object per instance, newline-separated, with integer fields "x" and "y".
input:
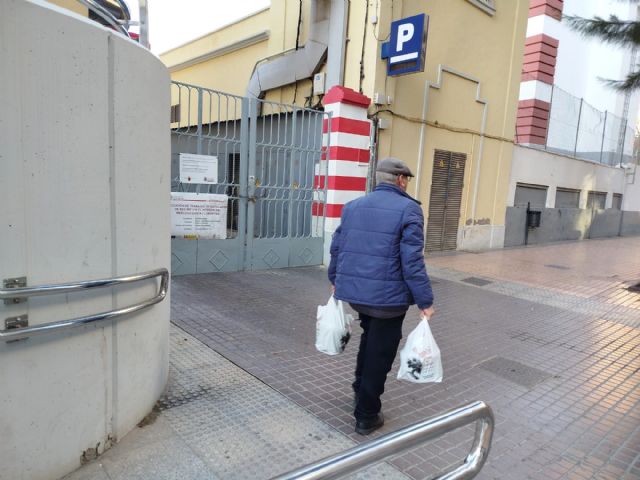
{"x": 269, "y": 166}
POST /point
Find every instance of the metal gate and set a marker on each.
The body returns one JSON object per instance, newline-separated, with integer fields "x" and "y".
{"x": 268, "y": 157}
{"x": 444, "y": 204}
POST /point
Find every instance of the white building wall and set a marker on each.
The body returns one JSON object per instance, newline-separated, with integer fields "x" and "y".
{"x": 631, "y": 198}
{"x": 543, "y": 168}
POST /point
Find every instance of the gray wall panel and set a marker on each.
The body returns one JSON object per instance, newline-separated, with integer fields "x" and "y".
{"x": 606, "y": 223}
{"x": 630, "y": 223}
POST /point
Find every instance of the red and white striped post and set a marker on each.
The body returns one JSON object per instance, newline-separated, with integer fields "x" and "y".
{"x": 345, "y": 165}
{"x": 538, "y": 71}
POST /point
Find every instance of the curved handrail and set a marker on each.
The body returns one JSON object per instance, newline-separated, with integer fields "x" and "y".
{"x": 406, "y": 438}
{"x": 54, "y": 289}
{"x": 106, "y": 15}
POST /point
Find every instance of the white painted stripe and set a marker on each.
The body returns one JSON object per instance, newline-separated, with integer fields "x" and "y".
{"x": 317, "y": 225}
{"x": 403, "y": 58}
{"x": 331, "y": 224}
{"x": 346, "y": 111}
{"x": 535, "y": 90}
{"x": 351, "y": 140}
{"x": 343, "y": 168}
{"x": 543, "y": 24}
{"x": 321, "y": 167}
{"x": 341, "y": 197}
{"x": 318, "y": 196}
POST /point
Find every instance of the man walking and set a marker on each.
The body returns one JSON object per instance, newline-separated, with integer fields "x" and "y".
{"x": 377, "y": 265}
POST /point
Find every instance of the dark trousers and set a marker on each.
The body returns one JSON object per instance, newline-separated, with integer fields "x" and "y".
{"x": 378, "y": 347}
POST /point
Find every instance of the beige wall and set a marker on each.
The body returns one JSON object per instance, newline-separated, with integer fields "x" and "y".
{"x": 472, "y": 72}
{"x": 72, "y": 5}
{"x": 483, "y": 55}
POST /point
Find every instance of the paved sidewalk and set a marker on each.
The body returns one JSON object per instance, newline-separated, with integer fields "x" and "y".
{"x": 548, "y": 336}
{"x": 217, "y": 422}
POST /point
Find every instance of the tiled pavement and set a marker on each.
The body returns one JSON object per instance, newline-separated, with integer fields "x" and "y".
{"x": 582, "y": 418}
{"x": 554, "y": 351}
{"x": 217, "y": 422}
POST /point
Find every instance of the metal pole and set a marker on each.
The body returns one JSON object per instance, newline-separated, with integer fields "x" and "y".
{"x": 144, "y": 23}
{"x": 575, "y": 149}
{"x": 292, "y": 187}
{"x": 373, "y": 156}
{"x": 623, "y": 138}
{"x": 526, "y": 225}
{"x": 199, "y": 132}
{"x": 251, "y": 183}
{"x": 604, "y": 129}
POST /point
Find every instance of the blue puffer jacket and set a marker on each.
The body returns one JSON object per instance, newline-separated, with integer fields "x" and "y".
{"x": 377, "y": 254}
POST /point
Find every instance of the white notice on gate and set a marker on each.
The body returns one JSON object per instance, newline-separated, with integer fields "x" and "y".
{"x": 199, "y": 215}
{"x": 198, "y": 168}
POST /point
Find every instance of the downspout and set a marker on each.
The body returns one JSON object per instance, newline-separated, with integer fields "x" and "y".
{"x": 289, "y": 67}
{"x": 422, "y": 133}
{"x": 337, "y": 43}
{"x": 479, "y": 163}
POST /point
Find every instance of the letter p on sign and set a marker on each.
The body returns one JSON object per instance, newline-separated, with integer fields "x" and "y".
{"x": 405, "y": 33}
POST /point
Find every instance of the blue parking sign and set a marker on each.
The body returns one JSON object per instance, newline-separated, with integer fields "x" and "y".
{"x": 406, "y": 49}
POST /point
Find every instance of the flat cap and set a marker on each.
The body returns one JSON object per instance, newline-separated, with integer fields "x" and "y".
{"x": 394, "y": 166}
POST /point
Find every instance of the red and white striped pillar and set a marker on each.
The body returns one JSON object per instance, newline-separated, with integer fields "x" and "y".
{"x": 345, "y": 164}
{"x": 538, "y": 70}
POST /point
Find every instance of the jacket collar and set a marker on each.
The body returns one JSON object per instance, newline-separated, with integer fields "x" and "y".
{"x": 396, "y": 189}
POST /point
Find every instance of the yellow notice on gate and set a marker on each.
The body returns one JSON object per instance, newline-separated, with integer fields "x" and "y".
{"x": 199, "y": 215}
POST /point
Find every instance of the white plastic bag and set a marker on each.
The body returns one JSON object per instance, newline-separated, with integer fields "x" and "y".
{"x": 333, "y": 327}
{"x": 420, "y": 360}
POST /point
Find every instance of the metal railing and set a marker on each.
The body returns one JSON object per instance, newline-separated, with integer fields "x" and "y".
{"x": 122, "y": 25}
{"x": 406, "y": 438}
{"x": 579, "y": 130}
{"x": 15, "y": 295}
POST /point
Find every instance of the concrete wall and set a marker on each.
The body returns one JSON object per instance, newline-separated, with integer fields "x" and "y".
{"x": 84, "y": 184}
{"x": 630, "y": 223}
{"x": 561, "y": 224}
{"x": 557, "y": 171}
{"x": 531, "y": 166}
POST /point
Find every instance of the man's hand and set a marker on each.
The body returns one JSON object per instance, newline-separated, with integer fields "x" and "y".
{"x": 428, "y": 312}
{"x": 333, "y": 289}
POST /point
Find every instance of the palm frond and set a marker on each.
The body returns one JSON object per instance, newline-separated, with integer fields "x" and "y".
{"x": 615, "y": 31}
{"x": 632, "y": 82}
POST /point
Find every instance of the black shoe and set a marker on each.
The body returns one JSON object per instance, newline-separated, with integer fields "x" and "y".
{"x": 365, "y": 427}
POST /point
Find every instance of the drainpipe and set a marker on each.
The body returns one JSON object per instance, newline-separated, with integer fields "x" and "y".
{"x": 476, "y": 181}
{"x": 422, "y": 133}
{"x": 337, "y": 43}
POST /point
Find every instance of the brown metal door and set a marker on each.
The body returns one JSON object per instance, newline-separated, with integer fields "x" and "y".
{"x": 444, "y": 204}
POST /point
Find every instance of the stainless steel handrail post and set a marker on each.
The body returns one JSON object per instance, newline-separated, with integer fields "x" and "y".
{"x": 55, "y": 289}
{"x": 393, "y": 443}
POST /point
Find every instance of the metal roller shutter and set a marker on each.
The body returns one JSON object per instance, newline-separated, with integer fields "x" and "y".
{"x": 445, "y": 200}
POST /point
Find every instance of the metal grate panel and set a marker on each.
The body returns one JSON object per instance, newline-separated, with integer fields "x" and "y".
{"x": 515, "y": 372}
{"x": 479, "y": 282}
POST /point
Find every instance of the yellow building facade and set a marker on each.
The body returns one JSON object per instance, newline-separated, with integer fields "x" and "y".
{"x": 453, "y": 123}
